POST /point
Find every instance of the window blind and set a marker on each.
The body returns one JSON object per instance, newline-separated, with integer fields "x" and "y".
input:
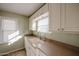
{"x": 7, "y": 27}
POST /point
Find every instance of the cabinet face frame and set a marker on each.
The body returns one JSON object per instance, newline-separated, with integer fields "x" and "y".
{"x": 31, "y": 50}
{"x": 63, "y": 18}
{"x": 54, "y": 16}
{"x": 69, "y": 12}
{"x": 67, "y": 15}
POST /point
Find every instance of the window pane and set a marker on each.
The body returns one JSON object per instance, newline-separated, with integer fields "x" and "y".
{"x": 5, "y": 35}
{"x": 8, "y": 25}
{"x": 43, "y": 21}
{"x": 43, "y": 25}
{"x": 34, "y": 26}
{"x": 43, "y": 28}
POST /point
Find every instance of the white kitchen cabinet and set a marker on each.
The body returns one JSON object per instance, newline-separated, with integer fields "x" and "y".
{"x": 64, "y": 17}
{"x": 32, "y": 49}
{"x": 41, "y": 53}
{"x": 70, "y": 17}
{"x": 54, "y": 17}
{"x": 27, "y": 47}
{"x": 28, "y": 51}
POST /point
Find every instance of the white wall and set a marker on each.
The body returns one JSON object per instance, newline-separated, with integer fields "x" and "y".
{"x": 22, "y": 27}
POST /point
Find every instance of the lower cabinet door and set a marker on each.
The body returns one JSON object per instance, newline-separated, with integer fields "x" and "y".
{"x": 28, "y": 52}
{"x": 41, "y": 53}
{"x": 37, "y": 52}
{"x": 32, "y": 53}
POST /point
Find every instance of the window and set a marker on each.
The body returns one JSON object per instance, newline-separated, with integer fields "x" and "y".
{"x": 9, "y": 32}
{"x": 8, "y": 27}
{"x": 41, "y": 23}
{"x": 34, "y": 25}
{"x": 8, "y": 24}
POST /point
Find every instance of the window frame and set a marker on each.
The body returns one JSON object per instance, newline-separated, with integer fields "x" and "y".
{"x": 43, "y": 16}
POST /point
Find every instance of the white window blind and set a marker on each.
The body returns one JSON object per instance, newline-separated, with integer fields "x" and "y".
{"x": 8, "y": 27}
{"x": 8, "y": 24}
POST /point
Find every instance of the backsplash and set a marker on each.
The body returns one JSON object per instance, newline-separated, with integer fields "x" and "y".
{"x": 65, "y": 37}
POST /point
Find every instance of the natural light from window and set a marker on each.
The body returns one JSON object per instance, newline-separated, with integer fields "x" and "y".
{"x": 10, "y": 32}
{"x": 41, "y": 23}
{"x": 13, "y": 35}
{"x": 14, "y": 40}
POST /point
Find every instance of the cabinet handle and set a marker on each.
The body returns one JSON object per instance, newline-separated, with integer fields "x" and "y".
{"x": 62, "y": 29}
{"x": 58, "y": 29}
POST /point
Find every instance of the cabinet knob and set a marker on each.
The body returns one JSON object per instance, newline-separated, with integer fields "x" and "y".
{"x": 62, "y": 29}
{"x": 58, "y": 29}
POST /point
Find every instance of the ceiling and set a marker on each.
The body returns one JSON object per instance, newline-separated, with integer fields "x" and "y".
{"x": 26, "y": 9}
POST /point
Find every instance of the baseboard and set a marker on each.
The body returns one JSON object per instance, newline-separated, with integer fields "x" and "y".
{"x": 10, "y": 51}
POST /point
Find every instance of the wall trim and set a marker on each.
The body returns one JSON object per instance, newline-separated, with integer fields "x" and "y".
{"x": 10, "y": 51}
